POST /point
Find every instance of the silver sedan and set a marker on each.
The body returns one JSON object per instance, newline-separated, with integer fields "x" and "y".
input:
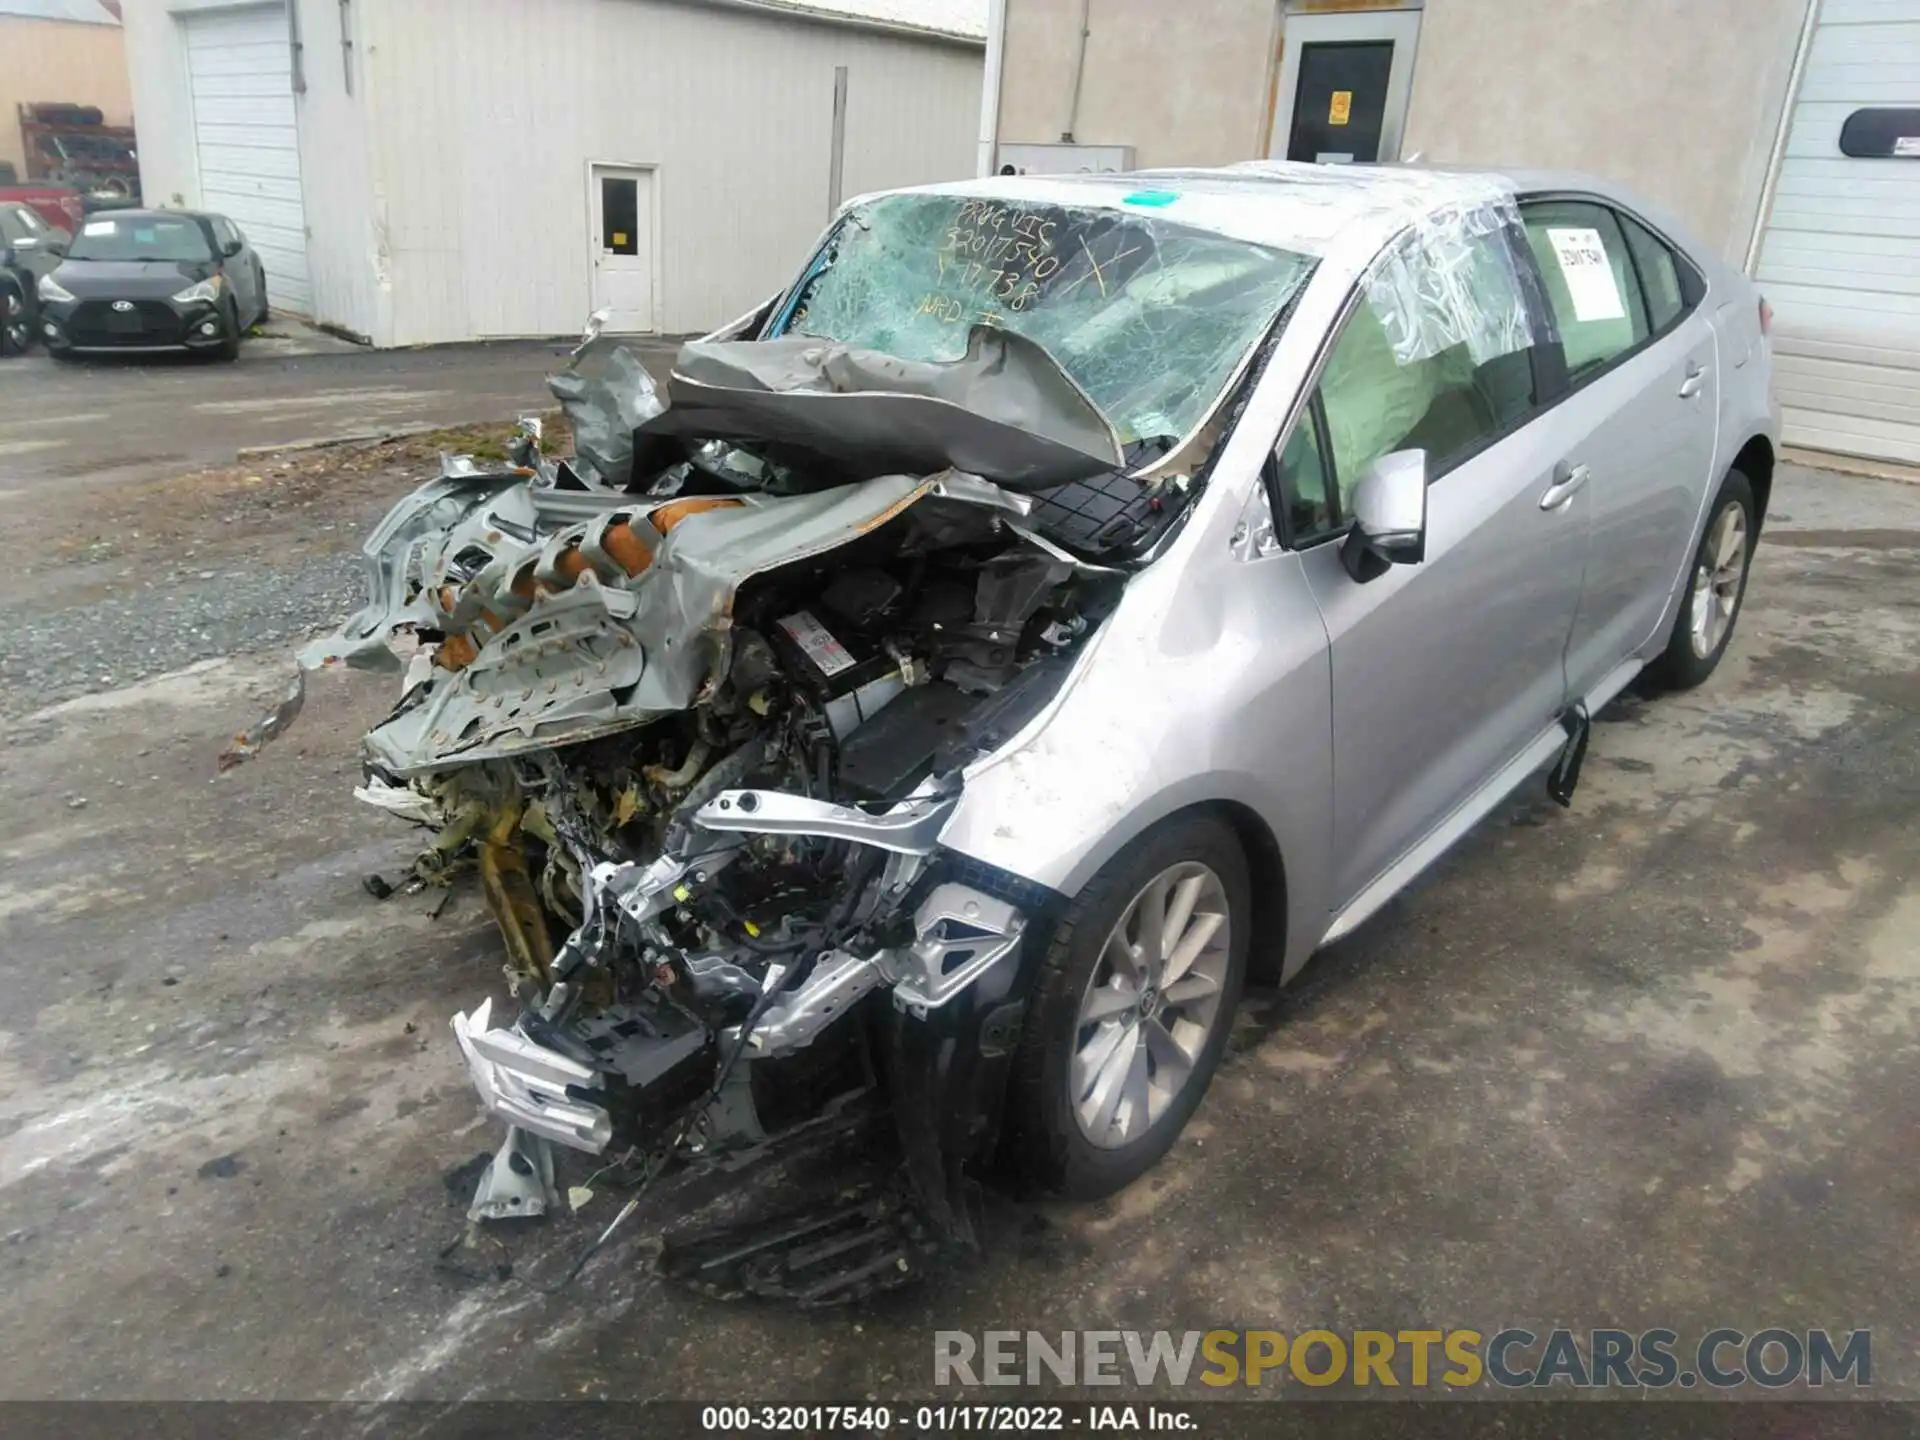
{"x": 1066, "y": 598}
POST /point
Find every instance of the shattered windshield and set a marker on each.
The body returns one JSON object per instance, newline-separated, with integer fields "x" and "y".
{"x": 1149, "y": 317}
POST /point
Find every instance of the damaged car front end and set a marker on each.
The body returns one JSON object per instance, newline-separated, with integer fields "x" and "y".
{"x": 699, "y": 702}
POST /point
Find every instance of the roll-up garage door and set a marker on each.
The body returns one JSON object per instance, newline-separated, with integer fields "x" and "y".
{"x": 240, "y": 65}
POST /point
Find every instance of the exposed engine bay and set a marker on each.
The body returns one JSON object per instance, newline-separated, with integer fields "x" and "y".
{"x": 696, "y": 703}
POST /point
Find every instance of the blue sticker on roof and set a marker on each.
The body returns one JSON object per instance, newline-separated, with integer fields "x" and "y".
{"x": 1155, "y": 198}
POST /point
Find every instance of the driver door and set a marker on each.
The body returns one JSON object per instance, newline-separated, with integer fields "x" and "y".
{"x": 1445, "y": 670}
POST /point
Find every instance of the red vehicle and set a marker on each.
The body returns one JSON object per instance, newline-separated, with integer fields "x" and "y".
{"x": 59, "y": 205}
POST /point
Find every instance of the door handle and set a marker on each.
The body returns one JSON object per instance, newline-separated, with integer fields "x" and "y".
{"x": 1696, "y": 377}
{"x": 1566, "y": 479}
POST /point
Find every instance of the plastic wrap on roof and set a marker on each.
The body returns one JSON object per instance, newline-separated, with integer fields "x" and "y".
{"x": 1450, "y": 279}
{"x": 1453, "y": 280}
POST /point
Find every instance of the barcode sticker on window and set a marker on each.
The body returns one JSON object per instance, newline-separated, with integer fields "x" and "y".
{"x": 818, "y": 643}
{"x": 1589, "y": 274}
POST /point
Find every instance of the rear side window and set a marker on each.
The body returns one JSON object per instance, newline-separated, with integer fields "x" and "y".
{"x": 1659, "y": 272}
{"x": 1590, "y": 282}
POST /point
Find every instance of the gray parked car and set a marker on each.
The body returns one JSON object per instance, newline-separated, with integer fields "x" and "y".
{"x": 1070, "y": 596}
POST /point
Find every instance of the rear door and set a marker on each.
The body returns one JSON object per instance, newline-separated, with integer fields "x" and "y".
{"x": 1446, "y": 670}
{"x": 1638, "y": 381}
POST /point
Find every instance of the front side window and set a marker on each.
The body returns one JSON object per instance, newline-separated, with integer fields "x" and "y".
{"x": 1307, "y": 491}
{"x": 1151, "y": 318}
{"x": 1387, "y": 386}
{"x": 145, "y": 237}
{"x": 1590, "y": 282}
{"x": 10, "y": 226}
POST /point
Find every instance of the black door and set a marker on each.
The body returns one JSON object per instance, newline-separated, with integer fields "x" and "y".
{"x": 1341, "y": 101}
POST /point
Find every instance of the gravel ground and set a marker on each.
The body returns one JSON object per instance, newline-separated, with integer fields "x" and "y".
{"x": 178, "y": 618}
{"x": 141, "y": 580}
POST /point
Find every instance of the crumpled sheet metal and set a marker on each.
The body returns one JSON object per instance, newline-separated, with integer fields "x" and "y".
{"x": 269, "y": 726}
{"x": 392, "y": 554}
{"x": 607, "y": 394}
{"x": 1006, "y": 410}
{"x": 605, "y": 656}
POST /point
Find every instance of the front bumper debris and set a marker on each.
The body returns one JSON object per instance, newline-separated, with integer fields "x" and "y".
{"x": 528, "y": 1085}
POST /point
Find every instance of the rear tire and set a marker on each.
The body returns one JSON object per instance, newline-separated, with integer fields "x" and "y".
{"x": 1117, "y": 1054}
{"x": 1716, "y": 584}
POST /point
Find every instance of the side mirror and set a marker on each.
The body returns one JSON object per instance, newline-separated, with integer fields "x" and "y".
{"x": 27, "y": 243}
{"x": 1389, "y": 516}
{"x": 231, "y": 248}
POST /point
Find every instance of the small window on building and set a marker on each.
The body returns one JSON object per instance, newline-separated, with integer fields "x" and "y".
{"x": 1590, "y": 282}
{"x": 619, "y": 215}
{"x": 1881, "y": 134}
{"x": 1659, "y": 274}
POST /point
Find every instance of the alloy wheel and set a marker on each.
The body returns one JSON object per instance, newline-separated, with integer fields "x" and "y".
{"x": 1717, "y": 580}
{"x": 1150, "y": 1006}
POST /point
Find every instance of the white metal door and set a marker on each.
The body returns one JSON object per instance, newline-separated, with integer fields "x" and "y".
{"x": 1840, "y": 258}
{"x": 240, "y": 69}
{"x": 1344, "y": 82}
{"x": 622, "y": 201}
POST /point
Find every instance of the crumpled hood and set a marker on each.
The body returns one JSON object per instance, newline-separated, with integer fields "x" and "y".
{"x": 1006, "y": 410}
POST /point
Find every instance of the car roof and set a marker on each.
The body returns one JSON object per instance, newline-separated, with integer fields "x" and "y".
{"x": 132, "y": 214}
{"x": 1305, "y": 208}
{"x": 1343, "y": 212}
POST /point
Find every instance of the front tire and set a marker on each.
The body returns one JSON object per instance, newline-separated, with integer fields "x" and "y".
{"x": 229, "y": 348}
{"x": 1131, "y": 1011}
{"x": 1716, "y": 585}
{"x": 16, "y": 330}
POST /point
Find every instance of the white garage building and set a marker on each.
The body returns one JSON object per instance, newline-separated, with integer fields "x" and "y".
{"x": 415, "y": 171}
{"x": 1839, "y": 254}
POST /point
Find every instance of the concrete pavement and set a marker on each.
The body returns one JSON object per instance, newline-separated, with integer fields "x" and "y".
{"x": 129, "y": 419}
{"x": 1648, "y": 1061}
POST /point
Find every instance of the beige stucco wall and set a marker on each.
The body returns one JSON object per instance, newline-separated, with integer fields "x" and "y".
{"x": 1183, "y": 83}
{"x": 44, "y": 61}
{"x": 1678, "y": 101}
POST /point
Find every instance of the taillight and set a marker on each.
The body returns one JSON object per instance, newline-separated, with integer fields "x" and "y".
{"x": 1766, "y": 317}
